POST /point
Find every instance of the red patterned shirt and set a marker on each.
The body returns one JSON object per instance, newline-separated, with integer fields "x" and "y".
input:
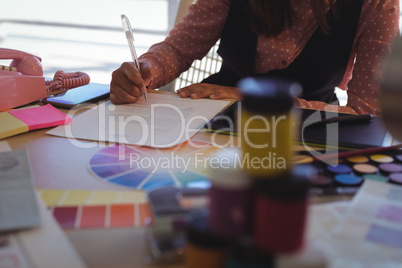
{"x": 202, "y": 26}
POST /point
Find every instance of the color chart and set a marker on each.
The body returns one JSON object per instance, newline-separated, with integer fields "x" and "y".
{"x": 186, "y": 165}
{"x": 376, "y": 216}
{"x": 147, "y": 168}
{"x": 76, "y": 209}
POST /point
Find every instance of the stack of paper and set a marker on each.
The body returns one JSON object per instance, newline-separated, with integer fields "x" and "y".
{"x": 23, "y": 120}
{"x": 365, "y": 232}
{"x": 29, "y": 236}
{"x": 18, "y": 208}
{"x": 163, "y": 121}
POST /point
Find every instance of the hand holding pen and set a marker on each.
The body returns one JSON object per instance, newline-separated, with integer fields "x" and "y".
{"x": 129, "y": 82}
{"x": 130, "y": 39}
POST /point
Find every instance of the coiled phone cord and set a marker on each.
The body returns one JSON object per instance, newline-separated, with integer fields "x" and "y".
{"x": 64, "y": 81}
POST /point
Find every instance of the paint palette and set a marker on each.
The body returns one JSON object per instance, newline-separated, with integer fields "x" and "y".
{"x": 346, "y": 176}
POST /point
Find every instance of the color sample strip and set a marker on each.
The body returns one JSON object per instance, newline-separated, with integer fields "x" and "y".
{"x": 122, "y": 215}
{"x": 56, "y": 198}
{"x": 102, "y": 216}
{"x": 128, "y": 197}
{"x": 385, "y": 236}
{"x": 395, "y": 194}
{"x": 145, "y": 214}
{"x": 66, "y": 216}
{"x": 93, "y": 216}
{"x": 76, "y": 198}
{"x": 102, "y": 197}
{"x": 52, "y": 197}
{"x": 390, "y": 213}
{"x": 96, "y": 209}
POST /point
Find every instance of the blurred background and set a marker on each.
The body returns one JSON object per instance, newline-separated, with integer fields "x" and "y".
{"x": 84, "y": 35}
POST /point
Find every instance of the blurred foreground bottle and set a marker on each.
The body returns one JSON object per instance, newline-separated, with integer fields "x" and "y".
{"x": 391, "y": 92}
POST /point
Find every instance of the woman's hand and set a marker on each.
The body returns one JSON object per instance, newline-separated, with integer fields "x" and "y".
{"x": 203, "y": 90}
{"x": 128, "y": 83}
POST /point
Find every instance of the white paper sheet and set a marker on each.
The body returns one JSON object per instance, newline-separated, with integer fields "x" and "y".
{"x": 166, "y": 120}
{"x": 362, "y": 232}
{"x": 4, "y": 146}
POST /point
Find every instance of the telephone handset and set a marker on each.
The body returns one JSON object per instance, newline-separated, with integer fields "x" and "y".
{"x": 22, "y": 82}
{"x": 25, "y": 63}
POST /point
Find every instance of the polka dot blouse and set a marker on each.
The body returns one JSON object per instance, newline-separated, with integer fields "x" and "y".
{"x": 201, "y": 28}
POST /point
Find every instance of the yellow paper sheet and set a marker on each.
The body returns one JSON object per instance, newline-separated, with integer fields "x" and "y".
{"x": 9, "y": 125}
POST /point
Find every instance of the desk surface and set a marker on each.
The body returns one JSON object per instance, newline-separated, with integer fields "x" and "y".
{"x": 58, "y": 164}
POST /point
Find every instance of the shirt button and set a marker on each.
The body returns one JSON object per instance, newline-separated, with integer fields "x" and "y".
{"x": 284, "y": 62}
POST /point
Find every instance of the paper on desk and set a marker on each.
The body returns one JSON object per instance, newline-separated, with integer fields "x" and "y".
{"x": 362, "y": 232}
{"x": 18, "y": 208}
{"x": 375, "y": 215}
{"x": 166, "y": 120}
{"x": 41, "y": 117}
{"x": 11, "y": 126}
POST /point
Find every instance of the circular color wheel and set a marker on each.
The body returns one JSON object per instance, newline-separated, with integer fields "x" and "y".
{"x": 145, "y": 168}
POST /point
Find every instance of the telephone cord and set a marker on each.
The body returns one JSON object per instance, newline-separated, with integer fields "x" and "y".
{"x": 64, "y": 81}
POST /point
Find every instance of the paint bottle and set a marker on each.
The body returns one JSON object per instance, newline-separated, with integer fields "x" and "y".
{"x": 203, "y": 248}
{"x": 230, "y": 196}
{"x": 267, "y": 126}
{"x": 391, "y": 91}
{"x": 280, "y": 212}
{"x": 244, "y": 254}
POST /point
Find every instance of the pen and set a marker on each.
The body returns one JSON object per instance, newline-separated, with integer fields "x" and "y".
{"x": 130, "y": 39}
{"x": 345, "y": 119}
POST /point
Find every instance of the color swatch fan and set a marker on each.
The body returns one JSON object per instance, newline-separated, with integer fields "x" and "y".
{"x": 147, "y": 168}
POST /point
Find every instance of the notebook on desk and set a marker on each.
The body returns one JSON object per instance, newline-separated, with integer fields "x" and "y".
{"x": 364, "y": 134}
{"x": 18, "y": 204}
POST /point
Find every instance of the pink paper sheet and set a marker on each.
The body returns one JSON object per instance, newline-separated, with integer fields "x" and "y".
{"x": 41, "y": 117}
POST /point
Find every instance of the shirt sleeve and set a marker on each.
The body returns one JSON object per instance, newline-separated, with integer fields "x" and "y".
{"x": 189, "y": 40}
{"x": 378, "y": 28}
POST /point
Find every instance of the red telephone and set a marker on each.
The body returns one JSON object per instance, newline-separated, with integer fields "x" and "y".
{"x": 22, "y": 82}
